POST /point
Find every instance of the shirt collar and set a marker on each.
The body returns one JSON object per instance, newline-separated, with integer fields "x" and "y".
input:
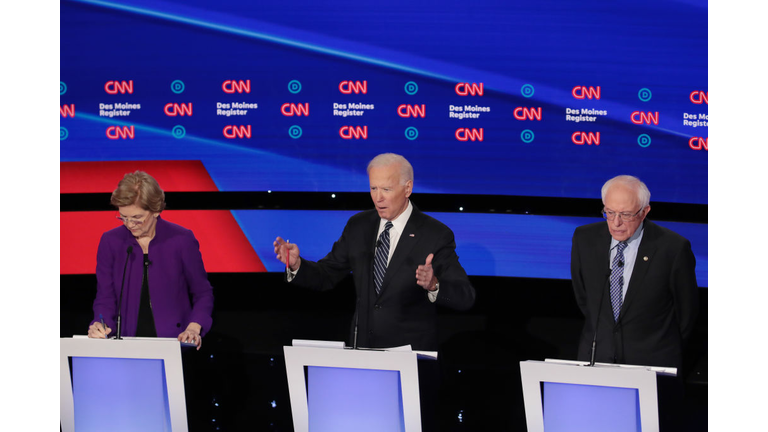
{"x": 399, "y": 222}
{"x": 635, "y": 237}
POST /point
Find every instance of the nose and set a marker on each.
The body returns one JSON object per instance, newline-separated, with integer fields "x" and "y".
{"x": 378, "y": 196}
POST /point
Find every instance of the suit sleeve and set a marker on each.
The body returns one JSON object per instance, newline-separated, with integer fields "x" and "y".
{"x": 685, "y": 289}
{"x": 323, "y": 275}
{"x": 456, "y": 292}
{"x": 579, "y": 290}
{"x": 106, "y": 299}
{"x": 200, "y": 290}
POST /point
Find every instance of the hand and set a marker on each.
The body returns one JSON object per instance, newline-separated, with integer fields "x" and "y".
{"x": 425, "y": 276}
{"x": 285, "y": 250}
{"x": 96, "y": 331}
{"x": 192, "y": 334}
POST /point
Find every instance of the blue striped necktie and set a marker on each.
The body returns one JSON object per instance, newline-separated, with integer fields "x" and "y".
{"x": 617, "y": 279}
{"x": 382, "y": 254}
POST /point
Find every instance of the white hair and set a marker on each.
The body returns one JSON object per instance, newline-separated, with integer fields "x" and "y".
{"x": 643, "y": 194}
{"x": 387, "y": 159}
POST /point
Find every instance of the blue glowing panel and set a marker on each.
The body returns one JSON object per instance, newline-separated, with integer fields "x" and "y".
{"x": 487, "y": 244}
{"x": 354, "y": 400}
{"x": 114, "y": 394}
{"x": 545, "y": 98}
{"x": 576, "y": 407}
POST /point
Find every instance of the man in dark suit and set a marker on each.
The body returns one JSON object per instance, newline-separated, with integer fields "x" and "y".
{"x": 634, "y": 280}
{"x": 403, "y": 262}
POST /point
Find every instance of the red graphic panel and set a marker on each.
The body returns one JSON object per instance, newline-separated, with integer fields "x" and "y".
{"x": 222, "y": 243}
{"x": 172, "y": 175}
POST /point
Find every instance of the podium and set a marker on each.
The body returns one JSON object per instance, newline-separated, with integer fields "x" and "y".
{"x": 121, "y": 385}
{"x": 337, "y": 389}
{"x": 565, "y": 395}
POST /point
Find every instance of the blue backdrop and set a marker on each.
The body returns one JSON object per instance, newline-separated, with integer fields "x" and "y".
{"x": 547, "y": 98}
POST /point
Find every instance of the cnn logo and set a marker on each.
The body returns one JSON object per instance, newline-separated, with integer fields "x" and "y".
{"x": 356, "y": 87}
{"x": 588, "y": 138}
{"x": 469, "y": 89}
{"x": 122, "y": 87}
{"x": 239, "y": 86}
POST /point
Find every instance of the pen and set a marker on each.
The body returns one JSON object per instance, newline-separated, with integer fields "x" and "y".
{"x": 287, "y": 256}
{"x": 101, "y": 317}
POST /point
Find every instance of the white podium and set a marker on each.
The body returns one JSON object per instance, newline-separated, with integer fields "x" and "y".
{"x": 565, "y": 395}
{"x": 337, "y": 389}
{"x": 122, "y": 385}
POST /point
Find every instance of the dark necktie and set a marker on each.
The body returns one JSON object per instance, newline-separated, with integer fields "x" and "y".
{"x": 382, "y": 254}
{"x": 617, "y": 279}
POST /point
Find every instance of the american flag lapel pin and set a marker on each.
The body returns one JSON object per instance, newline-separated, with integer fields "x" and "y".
{"x": 411, "y": 235}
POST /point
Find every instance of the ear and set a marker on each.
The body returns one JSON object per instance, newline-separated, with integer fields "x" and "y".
{"x": 646, "y": 210}
{"x": 408, "y": 188}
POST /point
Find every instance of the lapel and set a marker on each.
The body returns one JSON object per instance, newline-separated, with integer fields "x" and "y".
{"x": 370, "y": 237}
{"x": 135, "y": 265}
{"x": 404, "y": 247}
{"x": 603, "y": 254}
{"x": 601, "y": 270}
{"x": 647, "y": 249}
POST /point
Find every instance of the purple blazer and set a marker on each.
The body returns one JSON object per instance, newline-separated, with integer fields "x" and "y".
{"x": 178, "y": 284}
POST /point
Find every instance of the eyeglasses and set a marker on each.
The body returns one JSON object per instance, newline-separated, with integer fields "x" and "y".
{"x": 624, "y": 216}
{"x": 135, "y": 220}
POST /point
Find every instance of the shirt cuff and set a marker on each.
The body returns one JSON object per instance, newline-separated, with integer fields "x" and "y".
{"x": 290, "y": 274}
{"x": 433, "y": 295}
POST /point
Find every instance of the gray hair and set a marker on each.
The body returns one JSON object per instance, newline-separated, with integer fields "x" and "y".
{"x": 387, "y": 159}
{"x": 643, "y": 194}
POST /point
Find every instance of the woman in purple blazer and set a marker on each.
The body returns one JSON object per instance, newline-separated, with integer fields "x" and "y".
{"x": 166, "y": 292}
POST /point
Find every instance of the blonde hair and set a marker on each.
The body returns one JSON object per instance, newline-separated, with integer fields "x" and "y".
{"x": 141, "y": 189}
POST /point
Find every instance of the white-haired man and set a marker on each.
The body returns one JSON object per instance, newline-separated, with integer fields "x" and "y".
{"x": 634, "y": 281}
{"x": 403, "y": 262}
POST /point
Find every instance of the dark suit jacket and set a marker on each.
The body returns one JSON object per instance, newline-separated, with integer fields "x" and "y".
{"x": 660, "y": 306}
{"x": 402, "y": 314}
{"x": 178, "y": 283}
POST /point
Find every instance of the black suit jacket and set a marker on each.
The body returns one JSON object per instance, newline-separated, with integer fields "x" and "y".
{"x": 402, "y": 314}
{"x": 660, "y": 306}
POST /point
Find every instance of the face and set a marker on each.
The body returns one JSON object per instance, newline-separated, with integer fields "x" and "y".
{"x": 623, "y": 199}
{"x": 139, "y": 221}
{"x": 389, "y": 196}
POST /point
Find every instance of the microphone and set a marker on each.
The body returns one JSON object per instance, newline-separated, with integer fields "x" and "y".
{"x": 120, "y": 302}
{"x": 597, "y": 319}
{"x": 621, "y": 263}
